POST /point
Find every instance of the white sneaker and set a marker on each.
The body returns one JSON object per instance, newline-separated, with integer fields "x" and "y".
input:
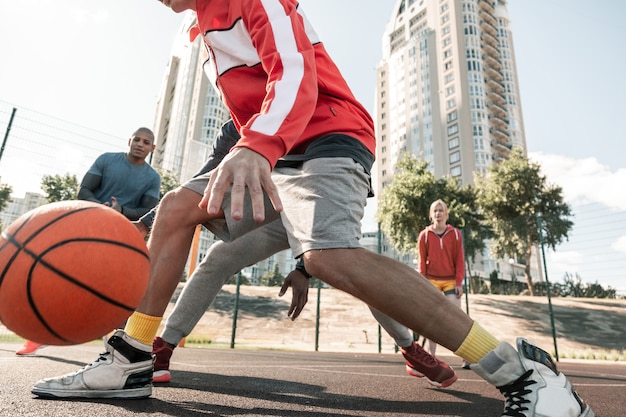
{"x": 530, "y": 382}
{"x": 123, "y": 371}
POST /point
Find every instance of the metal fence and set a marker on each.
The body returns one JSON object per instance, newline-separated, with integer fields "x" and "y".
{"x": 35, "y": 144}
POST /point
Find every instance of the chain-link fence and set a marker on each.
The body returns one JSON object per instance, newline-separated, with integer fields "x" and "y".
{"x": 35, "y": 144}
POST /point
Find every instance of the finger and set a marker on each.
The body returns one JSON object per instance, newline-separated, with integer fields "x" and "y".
{"x": 283, "y": 289}
{"x": 272, "y": 192}
{"x": 292, "y": 308}
{"x": 204, "y": 202}
{"x": 258, "y": 201}
{"x": 298, "y": 309}
{"x": 217, "y": 189}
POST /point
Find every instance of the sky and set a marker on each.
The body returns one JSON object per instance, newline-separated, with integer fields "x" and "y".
{"x": 101, "y": 65}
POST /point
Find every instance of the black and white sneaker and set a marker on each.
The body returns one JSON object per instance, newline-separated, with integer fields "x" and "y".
{"x": 530, "y": 382}
{"x": 123, "y": 371}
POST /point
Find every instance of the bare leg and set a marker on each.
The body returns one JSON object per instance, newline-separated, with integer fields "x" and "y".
{"x": 392, "y": 288}
{"x": 169, "y": 244}
{"x": 456, "y": 301}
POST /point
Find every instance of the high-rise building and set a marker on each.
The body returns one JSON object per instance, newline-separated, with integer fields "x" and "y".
{"x": 447, "y": 91}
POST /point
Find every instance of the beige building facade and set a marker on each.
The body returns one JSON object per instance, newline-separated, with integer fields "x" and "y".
{"x": 447, "y": 92}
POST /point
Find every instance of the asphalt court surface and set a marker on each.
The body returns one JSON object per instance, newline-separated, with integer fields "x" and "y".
{"x": 237, "y": 382}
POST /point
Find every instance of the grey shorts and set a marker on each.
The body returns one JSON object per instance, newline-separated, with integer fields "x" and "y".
{"x": 323, "y": 204}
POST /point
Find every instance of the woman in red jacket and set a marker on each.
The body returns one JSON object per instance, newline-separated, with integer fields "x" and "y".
{"x": 441, "y": 258}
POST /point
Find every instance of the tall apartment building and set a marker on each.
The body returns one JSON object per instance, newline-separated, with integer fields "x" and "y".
{"x": 447, "y": 91}
{"x": 189, "y": 116}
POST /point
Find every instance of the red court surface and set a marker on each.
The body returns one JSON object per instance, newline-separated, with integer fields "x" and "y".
{"x": 225, "y": 382}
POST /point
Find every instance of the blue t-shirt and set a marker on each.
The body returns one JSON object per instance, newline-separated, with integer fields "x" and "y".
{"x": 123, "y": 180}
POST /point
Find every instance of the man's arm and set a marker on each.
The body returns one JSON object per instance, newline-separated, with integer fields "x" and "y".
{"x": 89, "y": 183}
{"x": 135, "y": 213}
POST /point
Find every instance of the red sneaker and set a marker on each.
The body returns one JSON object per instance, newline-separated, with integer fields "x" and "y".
{"x": 420, "y": 363}
{"x": 29, "y": 348}
{"x": 162, "y": 353}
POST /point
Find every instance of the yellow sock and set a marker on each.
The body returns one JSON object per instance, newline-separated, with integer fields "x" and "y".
{"x": 477, "y": 344}
{"x": 142, "y": 327}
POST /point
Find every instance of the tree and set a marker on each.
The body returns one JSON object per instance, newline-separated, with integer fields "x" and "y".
{"x": 243, "y": 281}
{"x": 5, "y": 197}
{"x": 518, "y": 202}
{"x": 59, "y": 188}
{"x": 168, "y": 181}
{"x": 272, "y": 279}
{"x": 404, "y": 205}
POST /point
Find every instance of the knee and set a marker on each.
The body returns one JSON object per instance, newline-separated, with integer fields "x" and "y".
{"x": 176, "y": 208}
{"x": 326, "y": 264}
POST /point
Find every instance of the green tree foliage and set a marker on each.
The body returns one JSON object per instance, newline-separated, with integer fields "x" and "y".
{"x": 59, "y": 188}
{"x": 243, "y": 281}
{"x": 404, "y": 205}
{"x": 169, "y": 181}
{"x": 5, "y": 197}
{"x": 516, "y": 199}
{"x": 272, "y": 279}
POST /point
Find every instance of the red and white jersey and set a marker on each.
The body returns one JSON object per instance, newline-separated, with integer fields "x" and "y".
{"x": 276, "y": 78}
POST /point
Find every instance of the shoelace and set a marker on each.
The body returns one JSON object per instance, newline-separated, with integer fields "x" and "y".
{"x": 515, "y": 393}
{"x": 423, "y": 356}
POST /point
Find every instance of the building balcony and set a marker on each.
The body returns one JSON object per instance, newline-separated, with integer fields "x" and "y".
{"x": 487, "y": 24}
{"x": 486, "y": 6}
{"x": 496, "y": 110}
{"x": 495, "y": 86}
{"x": 493, "y": 74}
{"x": 498, "y": 122}
{"x": 496, "y": 100}
{"x": 500, "y": 137}
{"x": 489, "y": 39}
{"x": 499, "y": 156}
{"x": 495, "y": 96}
{"x": 491, "y": 51}
{"x": 491, "y": 62}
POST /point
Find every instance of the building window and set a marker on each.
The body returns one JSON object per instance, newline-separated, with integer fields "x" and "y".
{"x": 449, "y": 90}
{"x": 450, "y": 103}
{"x": 453, "y": 129}
{"x": 455, "y": 171}
{"x": 453, "y": 143}
{"x": 452, "y": 116}
{"x": 447, "y": 65}
{"x": 455, "y": 157}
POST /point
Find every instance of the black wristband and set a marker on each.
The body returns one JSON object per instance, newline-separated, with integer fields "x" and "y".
{"x": 300, "y": 267}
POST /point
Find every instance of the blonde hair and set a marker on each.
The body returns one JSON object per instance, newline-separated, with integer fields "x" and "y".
{"x": 434, "y": 205}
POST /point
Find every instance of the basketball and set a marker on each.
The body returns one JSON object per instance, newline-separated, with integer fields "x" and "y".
{"x": 70, "y": 272}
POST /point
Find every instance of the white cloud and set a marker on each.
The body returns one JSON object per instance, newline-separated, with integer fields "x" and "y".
{"x": 89, "y": 16}
{"x": 584, "y": 180}
{"x": 620, "y": 245}
{"x": 564, "y": 261}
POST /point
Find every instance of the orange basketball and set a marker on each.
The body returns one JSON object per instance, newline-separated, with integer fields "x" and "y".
{"x": 70, "y": 272}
